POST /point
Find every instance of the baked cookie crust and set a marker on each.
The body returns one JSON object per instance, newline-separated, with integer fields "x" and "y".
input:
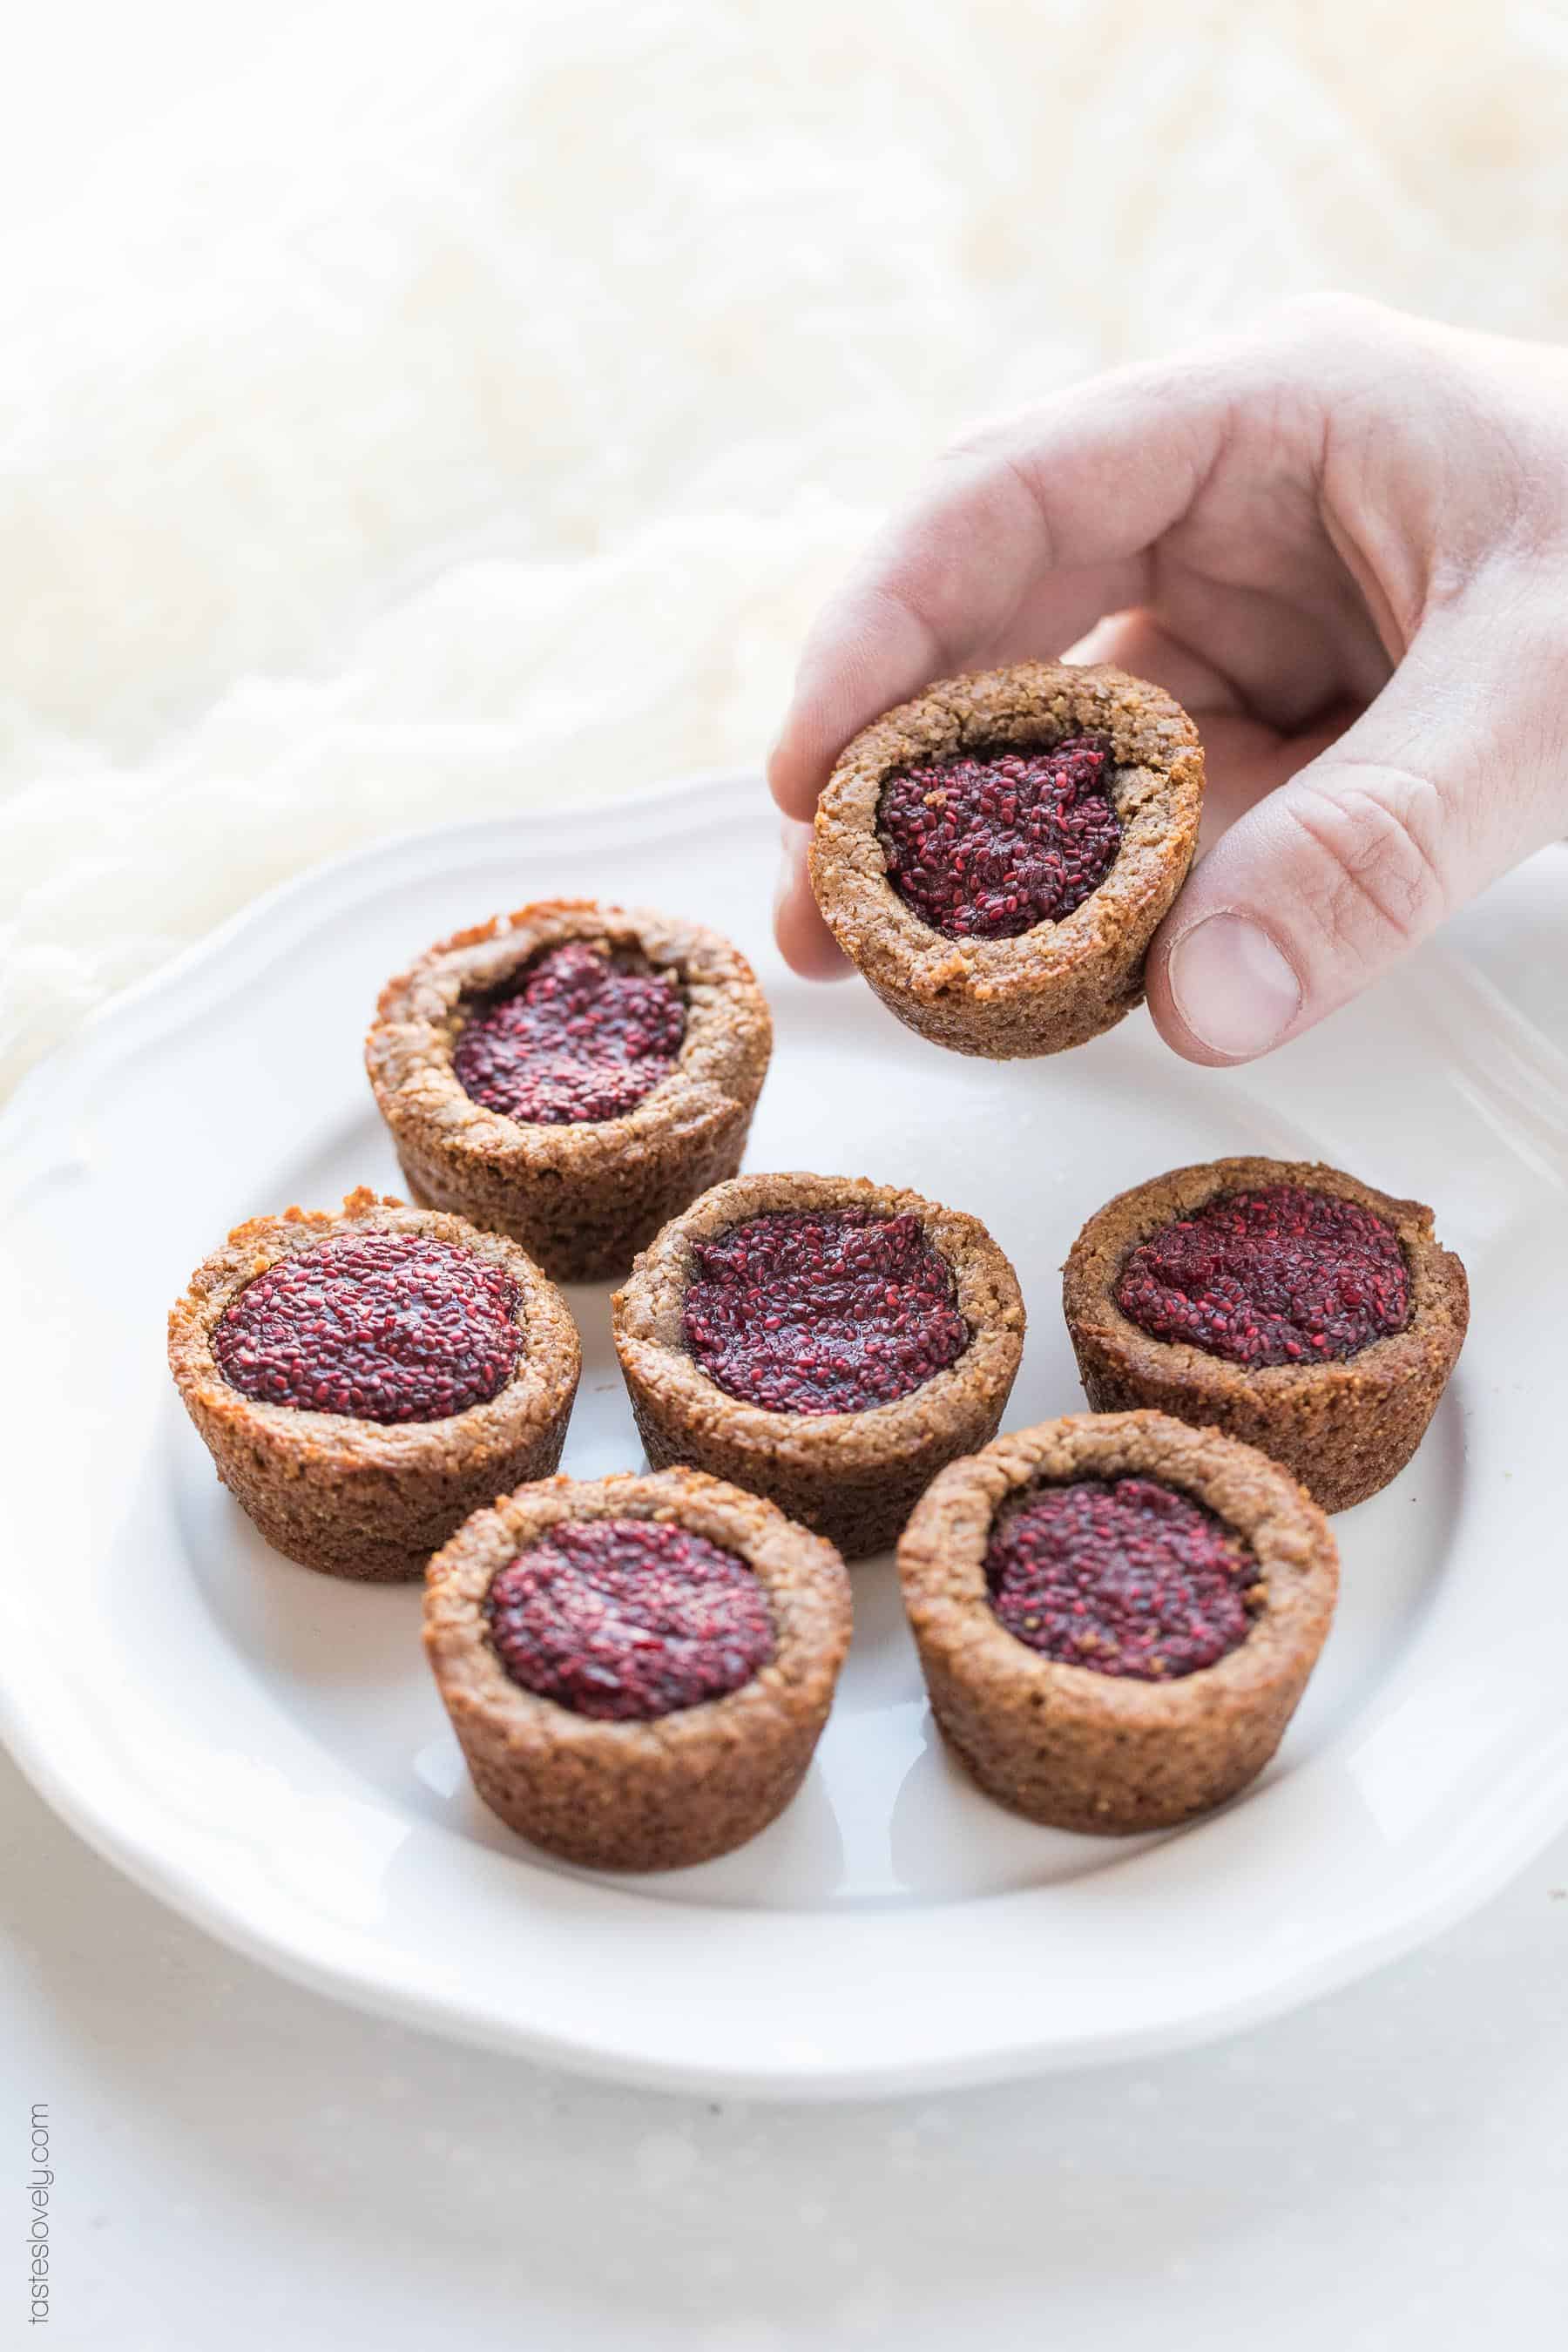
{"x": 1344, "y": 1428}
{"x": 583, "y": 1197}
{"x": 853, "y": 1476}
{"x": 356, "y": 1498}
{"x": 678, "y": 1789}
{"x": 1062, "y": 983}
{"x": 1081, "y": 1750}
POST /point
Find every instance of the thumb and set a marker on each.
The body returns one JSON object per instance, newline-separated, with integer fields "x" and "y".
{"x": 1441, "y": 786}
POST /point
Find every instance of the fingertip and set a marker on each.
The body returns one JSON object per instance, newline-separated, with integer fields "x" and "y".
{"x": 1220, "y": 989}
{"x": 806, "y": 943}
{"x": 1166, "y": 1016}
{"x": 1162, "y": 1008}
{"x": 796, "y": 774}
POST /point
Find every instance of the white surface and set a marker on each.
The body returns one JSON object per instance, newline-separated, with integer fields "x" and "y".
{"x": 1384, "y": 2169}
{"x": 265, "y": 1747}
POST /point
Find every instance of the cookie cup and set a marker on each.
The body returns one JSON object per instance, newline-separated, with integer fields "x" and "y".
{"x": 585, "y": 1196}
{"x": 1345, "y": 1429}
{"x": 356, "y": 1498}
{"x": 1062, "y": 983}
{"x": 1108, "y": 1753}
{"x": 680, "y": 1788}
{"x": 853, "y": 1476}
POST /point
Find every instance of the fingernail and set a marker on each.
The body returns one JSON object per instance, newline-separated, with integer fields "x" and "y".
{"x": 1232, "y": 986}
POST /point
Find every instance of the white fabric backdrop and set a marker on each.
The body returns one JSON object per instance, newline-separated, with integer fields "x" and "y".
{"x": 414, "y": 412}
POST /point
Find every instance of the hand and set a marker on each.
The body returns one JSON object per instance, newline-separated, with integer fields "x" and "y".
{"x": 1342, "y": 541}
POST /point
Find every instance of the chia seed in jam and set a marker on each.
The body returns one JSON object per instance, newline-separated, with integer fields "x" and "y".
{"x": 582, "y": 1038}
{"x": 987, "y": 846}
{"x": 389, "y": 1327}
{"x": 626, "y": 1620}
{"x": 812, "y": 1310}
{"x": 1124, "y": 1576}
{"x": 1280, "y": 1275}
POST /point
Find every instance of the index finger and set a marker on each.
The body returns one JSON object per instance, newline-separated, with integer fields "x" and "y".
{"x": 1022, "y": 539}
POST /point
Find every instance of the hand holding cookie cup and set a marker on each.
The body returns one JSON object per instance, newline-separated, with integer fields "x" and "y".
{"x": 992, "y": 980}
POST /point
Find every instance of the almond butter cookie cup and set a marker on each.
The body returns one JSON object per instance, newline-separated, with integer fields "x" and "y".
{"x": 995, "y": 855}
{"x": 571, "y": 1074}
{"x": 1281, "y": 1301}
{"x": 1116, "y": 1616}
{"x": 364, "y": 1380}
{"x": 826, "y": 1341}
{"x": 637, "y": 1669}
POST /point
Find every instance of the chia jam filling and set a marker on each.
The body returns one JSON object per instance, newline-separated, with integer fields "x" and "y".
{"x": 388, "y": 1327}
{"x": 628, "y": 1618}
{"x": 582, "y": 1038}
{"x": 1282, "y": 1276}
{"x": 1124, "y": 1576}
{"x": 822, "y": 1311}
{"x": 986, "y": 848}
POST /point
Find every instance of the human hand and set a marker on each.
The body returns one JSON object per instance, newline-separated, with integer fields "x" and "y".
{"x": 1342, "y": 541}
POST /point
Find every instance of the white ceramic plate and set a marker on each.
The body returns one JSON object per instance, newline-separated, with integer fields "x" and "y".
{"x": 263, "y": 1748}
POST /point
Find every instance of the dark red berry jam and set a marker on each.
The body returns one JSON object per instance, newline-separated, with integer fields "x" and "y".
{"x": 988, "y": 847}
{"x": 385, "y": 1325}
{"x": 1123, "y": 1575}
{"x": 822, "y": 1311}
{"x": 628, "y": 1618}
{"x": 1276, "y": 1277}
{"x": 582, "y": 1038}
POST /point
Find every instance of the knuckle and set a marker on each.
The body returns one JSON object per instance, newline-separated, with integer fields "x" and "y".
{"x": 1374, "y": 876}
